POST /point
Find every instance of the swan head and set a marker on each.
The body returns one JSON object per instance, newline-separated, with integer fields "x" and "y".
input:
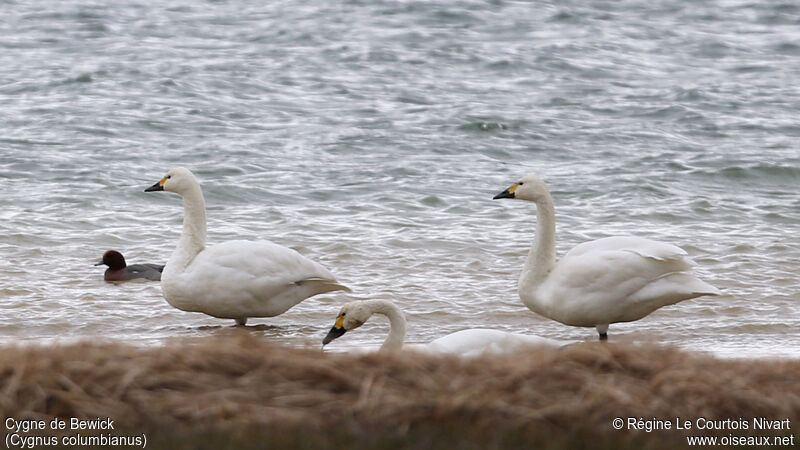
{"x": 351, "y": 316}
{"x": 178, "y": 180}
{"x": 529, "y": 187}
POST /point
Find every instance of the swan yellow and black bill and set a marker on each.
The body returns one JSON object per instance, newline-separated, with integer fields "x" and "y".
{"x": 336, "y": 331}
{"x": 158, "y": 186}
{"x": 508, "y": 193}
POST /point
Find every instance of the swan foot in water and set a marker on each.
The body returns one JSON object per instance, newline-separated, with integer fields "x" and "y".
{"x": 602, "y": 330}
{"x": 241, "y": 321}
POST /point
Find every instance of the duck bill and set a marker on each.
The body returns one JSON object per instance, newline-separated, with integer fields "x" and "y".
{"x": 99, "y": 264}
{"x": 333, "y": 334}
{"x": 505, "y": 194}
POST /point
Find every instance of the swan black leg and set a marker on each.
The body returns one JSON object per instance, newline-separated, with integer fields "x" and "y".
{"x": 601, "y": 330}
{"x": 241, "y": 321}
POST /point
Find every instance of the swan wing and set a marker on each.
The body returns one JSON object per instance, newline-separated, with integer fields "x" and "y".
{"x": 646, "y": 248}
{"x": 618, "y": 280}
{"x": 260, "y": 260}
{"x": 253, "y": 279}
{"x": 478, "y": 341}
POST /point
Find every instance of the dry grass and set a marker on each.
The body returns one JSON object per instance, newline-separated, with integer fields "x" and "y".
{"x": 241, "y": 393}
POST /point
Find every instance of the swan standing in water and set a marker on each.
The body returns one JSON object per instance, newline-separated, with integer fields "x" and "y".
{"x": 597, "y": 283}
{"x": 234, "y": 279}
{"x": 469, "y": 343}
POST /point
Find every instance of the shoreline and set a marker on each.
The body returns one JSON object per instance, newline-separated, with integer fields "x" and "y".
{"x": 312, "y": 344}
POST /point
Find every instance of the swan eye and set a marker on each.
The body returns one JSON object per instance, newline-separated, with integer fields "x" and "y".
{"x": 169, "y": 176}
{"x": 520, "y": 183}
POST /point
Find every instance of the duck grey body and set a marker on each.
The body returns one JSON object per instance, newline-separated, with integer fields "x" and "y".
{"x": 118, "y": 270}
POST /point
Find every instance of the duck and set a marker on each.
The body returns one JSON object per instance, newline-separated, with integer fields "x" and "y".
{"x": 597, "y": 283}
{"x": 118, "y": 270}
{"x": 466, "y": 343}
{"x": 236, "y": 279}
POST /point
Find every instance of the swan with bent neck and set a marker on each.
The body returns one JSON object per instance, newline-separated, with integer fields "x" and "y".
{"x": 471, "y": 342}
{"x": 597, "y": 283}
{"x": 235, "y": 279}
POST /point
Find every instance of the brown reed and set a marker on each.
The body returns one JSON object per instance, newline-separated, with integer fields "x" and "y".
{"x": 239, "y": 392}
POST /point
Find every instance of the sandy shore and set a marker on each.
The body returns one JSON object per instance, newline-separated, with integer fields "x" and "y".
{"x": 238, "y": 392}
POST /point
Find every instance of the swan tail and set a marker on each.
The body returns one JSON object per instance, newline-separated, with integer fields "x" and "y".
{"x": 693, "y": 284}
{"x": 322, "y": 285}
{"x": 669, "y": 289}
{"x": 704, "y": 288}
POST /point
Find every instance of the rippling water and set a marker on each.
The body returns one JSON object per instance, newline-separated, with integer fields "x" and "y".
{"x": 371, "y": 136}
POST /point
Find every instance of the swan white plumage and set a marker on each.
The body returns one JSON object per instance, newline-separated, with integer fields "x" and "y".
{"x": 234, "y": 279}
{"x": 467, "y": 343}
{"x": 597, "y": 283}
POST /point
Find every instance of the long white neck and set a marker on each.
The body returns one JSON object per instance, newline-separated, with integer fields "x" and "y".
{"x": 542, "y": 256}
{"x": 193, "y": 237}
{"x": 397, "y": 323}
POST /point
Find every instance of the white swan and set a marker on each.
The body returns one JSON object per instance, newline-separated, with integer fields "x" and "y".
{"x": 468, "y": 343}
{"x": 597, "y": 283}
{"x": 234, "y": 279}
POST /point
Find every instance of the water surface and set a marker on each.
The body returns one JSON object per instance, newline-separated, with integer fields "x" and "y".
{"x": 371, "y": 136}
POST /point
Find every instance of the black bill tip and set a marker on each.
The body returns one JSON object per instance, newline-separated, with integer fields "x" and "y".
{"x": 155, "y": 187}
{"x": 504, "y": 194}
{"x": 333, "y": 334}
